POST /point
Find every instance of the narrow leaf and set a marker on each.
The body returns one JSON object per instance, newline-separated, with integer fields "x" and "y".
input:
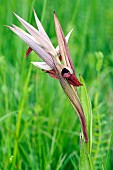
{"x": 86, "y": 104}
{"x": 85, "y": 162}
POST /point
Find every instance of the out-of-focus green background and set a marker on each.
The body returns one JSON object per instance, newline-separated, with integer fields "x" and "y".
{"x": 38, "y": 127}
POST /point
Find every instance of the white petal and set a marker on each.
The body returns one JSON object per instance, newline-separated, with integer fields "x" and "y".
{"x": 42, "y": 65}
{"x": 68, "y": 35}
{"x": 41, "y": 39}
{"x": 33, "y": 44}
{"x": 67, "y": 38}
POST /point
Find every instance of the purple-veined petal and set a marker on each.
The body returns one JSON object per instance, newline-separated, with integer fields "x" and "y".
{"x": 62, "y": 44}
{"x": 42, "y": 65}
{"x": 67, "y": 38}
{"x": 33, "y": 44}
{"x": 40, "y": 38}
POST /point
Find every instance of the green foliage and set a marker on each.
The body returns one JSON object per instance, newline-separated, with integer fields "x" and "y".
{"x": 109, "y": 155}
{"x": 38, "y": 127}
{"x": 85, "y": 162}
{"x": 86, "y": 104}
{"x": 101, "y": 134}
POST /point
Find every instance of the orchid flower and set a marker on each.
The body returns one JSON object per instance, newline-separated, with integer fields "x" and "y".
{"x": 57, "y": 61}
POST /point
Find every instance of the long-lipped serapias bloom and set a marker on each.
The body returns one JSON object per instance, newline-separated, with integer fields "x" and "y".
{"x": 57, "y": 61}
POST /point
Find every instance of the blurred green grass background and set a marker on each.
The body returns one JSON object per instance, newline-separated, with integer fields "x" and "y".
{"x": 33, "y": 105}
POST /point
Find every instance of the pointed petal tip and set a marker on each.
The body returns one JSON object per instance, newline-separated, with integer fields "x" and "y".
{"x": 34, "y": 13}
{"x": 6, "y": 26}
{"x": 42, "y": 65}
{"x": 15, "y": 14}
{"x": 13, "y": 25}
{"x": 18, "y": 17}
{"x": 9, "y": 27}
{"x": 33, "y": 10}
{"x": 32, "y": 62}
{"x": 54, "y": 14}
{"x": 72, "y": 30}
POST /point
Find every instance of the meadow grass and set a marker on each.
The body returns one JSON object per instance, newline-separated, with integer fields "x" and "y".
{"x": 39, "y": 129}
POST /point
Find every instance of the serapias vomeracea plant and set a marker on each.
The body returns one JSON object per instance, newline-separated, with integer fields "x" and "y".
{"x": 57, "y": 61}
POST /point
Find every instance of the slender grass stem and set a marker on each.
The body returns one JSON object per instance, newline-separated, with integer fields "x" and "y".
{"x": 76, "y": 8}
{"x": 21, "y": 107}
{"x": 43, "y": 11}
{"x": 30, "y": 16}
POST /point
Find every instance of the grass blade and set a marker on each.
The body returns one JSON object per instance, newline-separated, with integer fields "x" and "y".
{"x": 86, "y": 104}
{"x": 85, "y": 162}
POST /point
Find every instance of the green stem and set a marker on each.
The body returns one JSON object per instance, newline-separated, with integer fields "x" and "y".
{"x": 43, "y": 10}
{"x": 21, "y": 106}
